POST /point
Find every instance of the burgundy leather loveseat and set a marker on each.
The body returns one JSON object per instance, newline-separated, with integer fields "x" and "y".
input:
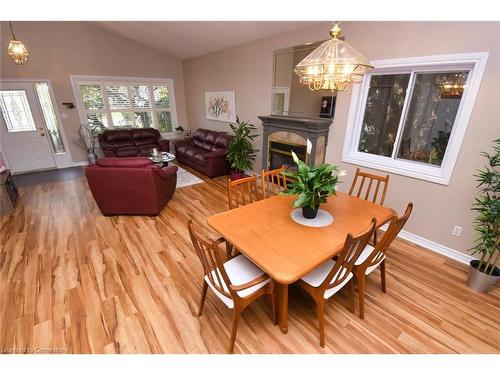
{"x": 131, "y": 186}
{"x": 131, "y": 142}
{"x": 205, "y": 152}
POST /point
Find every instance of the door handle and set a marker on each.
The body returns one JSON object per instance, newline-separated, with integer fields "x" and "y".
{"x": 42, "y": 134}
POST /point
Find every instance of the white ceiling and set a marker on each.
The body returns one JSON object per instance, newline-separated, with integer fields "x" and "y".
{"x": 184, "y": 40}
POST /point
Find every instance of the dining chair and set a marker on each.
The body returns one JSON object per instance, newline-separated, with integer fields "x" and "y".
{"x": 331, "y": 276}
{"x": 365, "y": 192}
{"x": 237, "y": 282}
{"x": 372, "y": 257}
{"x": 273, "y": 182}
{"x": 242, "y": 191}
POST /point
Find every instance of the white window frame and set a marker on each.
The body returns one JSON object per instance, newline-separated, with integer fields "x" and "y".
{"x": 474, "y": 62}
{"x": 103, "y": 81}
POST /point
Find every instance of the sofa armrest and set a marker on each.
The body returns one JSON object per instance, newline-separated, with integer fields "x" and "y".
{"x": 104, "y": 144}
{"x": 216, "y": 154}
{"x": 183, "y": 142}
{"x": 162, "y": 142}
{"x": 166, "y": 172}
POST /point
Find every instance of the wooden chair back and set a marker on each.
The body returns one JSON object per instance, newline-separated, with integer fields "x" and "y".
{"x": 353, "y": 247}
{"x": 273, "y": 182}
{"x": 243, "y": 191}
{"x": 208, "y": 253}
{"x": 365, "y": 191}
{"x": 395, "y": 226}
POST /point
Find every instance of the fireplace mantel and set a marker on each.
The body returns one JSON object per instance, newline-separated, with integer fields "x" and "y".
{"x": 308, "y": 128}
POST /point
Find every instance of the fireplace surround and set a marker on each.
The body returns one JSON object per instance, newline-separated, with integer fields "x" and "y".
{"x": 313, "y": 129}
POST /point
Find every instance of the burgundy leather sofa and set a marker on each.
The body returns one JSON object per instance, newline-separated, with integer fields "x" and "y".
{"x": 131, "y": 142}
{"x": 131, "y": 186}
{"x": 205, "y": 152}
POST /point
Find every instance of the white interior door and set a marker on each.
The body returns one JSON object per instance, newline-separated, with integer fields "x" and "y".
{"x": 24, "y": 141}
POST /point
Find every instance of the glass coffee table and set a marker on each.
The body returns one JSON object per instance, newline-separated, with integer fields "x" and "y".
{"x": 161, "y": 158}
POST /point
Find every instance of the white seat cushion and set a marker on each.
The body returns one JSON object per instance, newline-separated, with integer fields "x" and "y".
{"x": 368, "y": 250}
{"x": 319, "y": 274}
{"x": 240, "y": 270}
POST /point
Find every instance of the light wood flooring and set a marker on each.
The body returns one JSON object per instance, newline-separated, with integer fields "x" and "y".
{"x": 74, "y": 281}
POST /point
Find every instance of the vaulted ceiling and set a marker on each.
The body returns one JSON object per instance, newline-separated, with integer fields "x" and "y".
{"x": 184, "y": 40}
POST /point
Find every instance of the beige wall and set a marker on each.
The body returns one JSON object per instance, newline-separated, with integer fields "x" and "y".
{"x": 60, "y": 49}
{"x": 247, "y": 69}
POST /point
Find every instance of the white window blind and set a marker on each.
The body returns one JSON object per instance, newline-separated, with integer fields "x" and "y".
{"x": 111, "y": 102}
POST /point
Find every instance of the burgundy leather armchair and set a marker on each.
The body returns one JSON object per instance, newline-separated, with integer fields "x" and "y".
{"x": 131, "y": 142}
{"x": 130, "y": 186}
{"x": 205, "y": 152}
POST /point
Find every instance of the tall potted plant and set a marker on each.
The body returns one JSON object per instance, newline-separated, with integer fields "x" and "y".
{"x": 313, "y": 185}
{"x": 483, "y": 273}
{"x": 241, "y": 153}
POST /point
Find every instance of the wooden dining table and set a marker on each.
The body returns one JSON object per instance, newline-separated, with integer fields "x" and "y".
{"x": 286, "y": 250}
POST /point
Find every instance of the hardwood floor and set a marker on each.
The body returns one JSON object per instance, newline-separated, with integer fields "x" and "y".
{"x": 74, "y": 281}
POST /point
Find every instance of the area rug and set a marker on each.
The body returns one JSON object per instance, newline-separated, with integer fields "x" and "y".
{"x": 184, "y": 178}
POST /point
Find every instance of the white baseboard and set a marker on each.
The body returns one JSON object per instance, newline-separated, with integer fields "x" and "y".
{"x": 80, "y": 164}
{"x": 434, "y": 246}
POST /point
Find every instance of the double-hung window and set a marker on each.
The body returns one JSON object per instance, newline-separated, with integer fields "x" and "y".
{"x": 120, "y": 102}
{"x": 409, "y": 116}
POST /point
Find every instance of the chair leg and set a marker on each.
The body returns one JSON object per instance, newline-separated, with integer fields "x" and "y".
{"x": 234, "y": 329}
{"x": 272, "y": 299}
{"x": 382, "y": 275}
{"x": 361, "y": 292}
{"x": 320, "y": 307}
{"x": 351, "y": 296}
{"x": 203, "y": 297}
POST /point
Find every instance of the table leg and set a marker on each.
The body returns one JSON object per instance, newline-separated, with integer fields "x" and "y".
{"x": 283, "y": 307}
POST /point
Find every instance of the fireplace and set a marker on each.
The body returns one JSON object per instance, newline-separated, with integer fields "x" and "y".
{"x": 285, "y": 133}
{"x": 280, "y": 153}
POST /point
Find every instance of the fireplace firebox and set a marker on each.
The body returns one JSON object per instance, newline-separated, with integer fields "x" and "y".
{"x": 280, "y": 153}
{"x": 276, "y": 152}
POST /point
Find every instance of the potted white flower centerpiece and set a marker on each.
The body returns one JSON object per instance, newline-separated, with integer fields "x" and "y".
{"x": 312, "y": 184}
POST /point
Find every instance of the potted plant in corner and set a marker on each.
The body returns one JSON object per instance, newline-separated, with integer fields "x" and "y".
{"x": 313, "y": 185}
{"x": 240, "y": 152}
{"x": 484, "y": 273}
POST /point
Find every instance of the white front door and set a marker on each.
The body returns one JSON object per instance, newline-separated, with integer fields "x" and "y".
{"x": 24, "y": 142}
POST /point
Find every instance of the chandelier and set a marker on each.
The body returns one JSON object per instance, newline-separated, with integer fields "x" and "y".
{"x": 17, "y": 50}
{"x": 334, "y": 65}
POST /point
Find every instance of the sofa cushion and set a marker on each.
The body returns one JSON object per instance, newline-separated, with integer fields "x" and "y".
{"x": 118, "y": 137}
{"x": 145, "y": 136}
{"x": 127, "y": 151}
{"x": 193, "y": 151}
{"x": 124, "y": 162}
{"x": 200, "y": 135}
{"x": 147, "y": 147}
{"x": 222, "y": 141}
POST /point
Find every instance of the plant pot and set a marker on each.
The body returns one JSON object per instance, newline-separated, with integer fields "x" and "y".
{"x": 91, "y": 158}
{"x": 480, "y": 281}
{"x": 309, "y": 212}
{"x": 236, "y": 175}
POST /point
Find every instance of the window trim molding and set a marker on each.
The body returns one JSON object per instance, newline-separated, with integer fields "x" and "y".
{"x": 475, "y": 61}
{"x": 82, "y": 113}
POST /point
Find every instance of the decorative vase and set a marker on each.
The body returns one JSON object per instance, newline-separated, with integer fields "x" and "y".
{"x": 480, "y": 281}
{"x": 309, "y": 212}
{"x": 91, "y": 157}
